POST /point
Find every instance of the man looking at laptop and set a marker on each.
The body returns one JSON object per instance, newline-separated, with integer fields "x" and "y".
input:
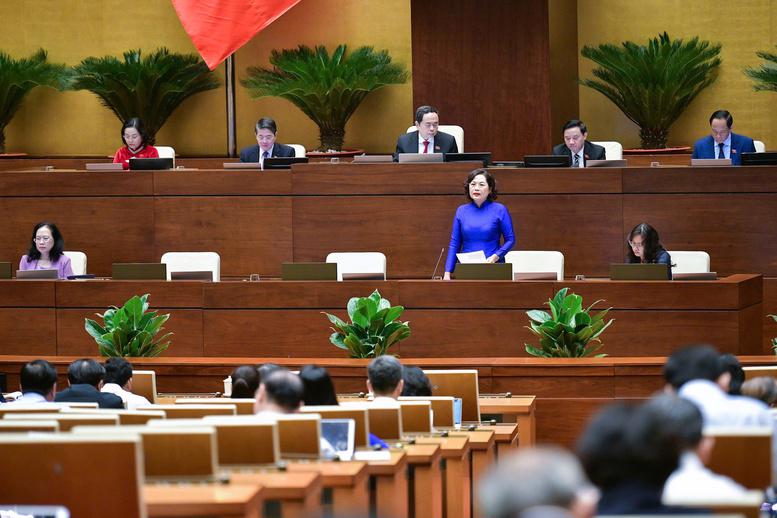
{"x": 426, "y": 138}
{"x": 576, "y": 147}
{"x": 723, "y": 143}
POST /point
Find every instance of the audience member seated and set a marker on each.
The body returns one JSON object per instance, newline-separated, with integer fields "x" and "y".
{"x": 136, "y": 143}
{"x": 692, "y": 480}
{"x": 576, "y": 147}
{"x": 280, "y": 393}
{"x": 762, "y": 388}
{"x": 118, "y": 380}
{"x": 427, "y": 138}
{"x": 384, "y": 379}
{"x": 545, "y": 481}
{"x": 729, "y": 363}
{"x": 644, "y": 246}
{"x": 47, "y": 251}
{"x": 628, "y": 454}
{"x": 37, "y": 383}
{"x": 319, "y": 389}
{"x": 723, "y": 143}
{"x": 415, "y": 382}
{"x": 266, "y": 369}
{"x": 266, "y": 132}
{"x": 696, "y": 373}
{"x": 86, "y": 379}
{"x": 245, "y": 381}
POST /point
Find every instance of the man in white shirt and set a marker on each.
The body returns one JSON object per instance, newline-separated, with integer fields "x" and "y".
{"x": 384, "y": 379}
{"x": 280, "y": 393}
{"x": 118, "y": 381}
{"x": 38, "y": 383}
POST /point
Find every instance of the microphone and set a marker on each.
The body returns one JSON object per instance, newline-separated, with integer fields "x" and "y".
{"x": 434, "y": 273}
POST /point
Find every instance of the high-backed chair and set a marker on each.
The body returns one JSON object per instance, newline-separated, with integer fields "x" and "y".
{"x": 40, "y": 408}
{"x": 300, "y": 435}
{"x": 458, "y": 383}
{"x": 744, "y": 454}
{"x": 690, "y": 262}
{"x": 166, "y": 152}
{"x": 246, "y": 440}
{"x": 133, "y": 417}
{"x": 193, "y": 262}
{"x": 77, "y": 261}
{"x": 456, "y": 132}
{"x": 69, "y": 421}
{"x": 760, "y": 147}
{"x": 34, "y": 425}
{"x": 760, "y": 370}
{"x": 244, "y": 406}
{"x": 299, "y": 150}
{"x": 144, "y": 384}
{"x": 191, "y": 411}
{"x": 358, "y": 263}
{"x": 355, "y": 411}
{"x": 612, "y": 150}
{"x": 536, "y": 261}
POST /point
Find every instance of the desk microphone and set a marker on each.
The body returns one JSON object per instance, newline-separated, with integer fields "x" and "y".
{"x": 434, "y": 273}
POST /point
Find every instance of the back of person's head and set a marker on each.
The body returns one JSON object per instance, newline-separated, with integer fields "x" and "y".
{"x": 284, "y": 389}
{"x": 245, "y": 381}
{"x": 319, "y": 389}
{"x": 729, "y": 363}
{"x": 763, "y": 388}
{"x": 692, "y": 363}
{"x": 118, "y": 371}
{"x": 416, "y": 382}
{"x": 531, "y": 478}
{"x": 384, "y": 374}
{"x": 682, "y": 418}
{"x": 38, "y": 376}
{"x": 85, "y": 370}
{"x": 627, "y": 443}
{"x": 266, "y": 369}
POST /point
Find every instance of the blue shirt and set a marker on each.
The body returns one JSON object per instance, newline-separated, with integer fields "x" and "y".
{"x": 480, "y": 228}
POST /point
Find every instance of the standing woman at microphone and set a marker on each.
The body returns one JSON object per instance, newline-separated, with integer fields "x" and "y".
{"x": 481, "y": 224}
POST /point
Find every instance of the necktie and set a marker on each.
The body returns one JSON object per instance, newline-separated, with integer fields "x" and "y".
{"x": 265, "y": 154}
{"x": 576, "y": 163}
{"x": 721, "y": 154}
{"x": 426, "y": 146}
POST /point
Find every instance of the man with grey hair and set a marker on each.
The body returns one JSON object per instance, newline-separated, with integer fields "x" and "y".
{"x": 384, "y": 378}
{"x": 543, "y": 481}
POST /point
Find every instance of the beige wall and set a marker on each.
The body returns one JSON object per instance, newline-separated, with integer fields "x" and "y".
{"x": 742, "y": 28}
{"x": 74, "y": 123}
{"x": 564, "y": 103}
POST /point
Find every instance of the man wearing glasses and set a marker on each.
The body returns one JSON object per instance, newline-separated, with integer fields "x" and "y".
{"x": 266, "y": 146}
{"x": 723, "y": 143}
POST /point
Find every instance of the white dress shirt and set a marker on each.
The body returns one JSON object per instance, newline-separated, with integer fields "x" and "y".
{"x": 421, "y": 144}
{"x": 261, "y": 155}
{"x": 28, "y": 398}
{"x": 721, "y": 409}
{"x": 692, "y": 481}
{"x": 726, "y": 147}
{"x": 131, "y": 401}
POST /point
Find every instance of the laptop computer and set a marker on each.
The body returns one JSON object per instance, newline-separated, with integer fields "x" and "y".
{"x": 191, "y": 276}
{"x": 765, "y": 158}
{"x": 340, "y": 435}
{"x": 482, "y": 157}
{"x": 373, "y": 159}
{"x": 695, "y": 276}
{"x": 547, "y": 161}
{"x": 535, "y": 276}
{"x": 309, "y": 271}
{"x": 364, "y": 276}
{"x": 139, "y": 271}
{"x": 484, "y": 272}
{"x": 409, "y": 158}
{"x": 37, "y": 274}
{"x": 278, "y": 162}
{"x": 606, "y": 163}
{"x": 104, "y": 166}
{"x": 710, "y": 162}
{"x": 241, "y": 165}
{"x": 639, "y": 272}
{"x": 150, "y": 164}
{"x": 5, "y": 270}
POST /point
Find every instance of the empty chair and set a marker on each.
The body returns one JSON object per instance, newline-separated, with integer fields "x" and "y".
{"x": 760, "y": 147}
{"x": 77, "y": 262}
{"x": 35, "y": 425}
{"x": 193, "y": 262}
{"x": 191, "y": 411}
{"x": 457, "y": 132}
{"x": 144, "y": 384}
{"x": 166, "y": 152}
{"x": 244, "y": 406}
{"x": 133, "y": 417}
{"x": 358, "y": 264}
{"x": 612, "y": 150}
{"x": 68, "y": 421}
{"x": 245, "y": 440}
{"x": 299, "y": 435}
{"x": 40, "y": 408}
{"x": 537, "y": 261}
{"x": 744, "y": 454}
{"x": 299, "y": 150}
{"x": 690, "y": 262}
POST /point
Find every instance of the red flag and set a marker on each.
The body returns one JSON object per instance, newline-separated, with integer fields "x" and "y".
{"x": 220, "y": 27}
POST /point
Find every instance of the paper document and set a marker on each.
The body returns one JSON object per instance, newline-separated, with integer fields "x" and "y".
{"x": 472, "y": 257}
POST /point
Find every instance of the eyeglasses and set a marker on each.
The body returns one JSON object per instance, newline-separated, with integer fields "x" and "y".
{"x": 265, "y": 138}
{"x": 42, "y": 239}
{"x": 636, "y": 245}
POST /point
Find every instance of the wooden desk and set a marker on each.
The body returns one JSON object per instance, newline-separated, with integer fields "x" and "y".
{"x": 456, "y": 480}
{"x": 388, "y": 486}
{"x": 205, "y": 500}
{"x": 515, "y": 409}
{"x": 426, "y": 495}
{"x": 345, "y": 485}
{"x": 506, "y": 437}
{"x": 286, "y": 495}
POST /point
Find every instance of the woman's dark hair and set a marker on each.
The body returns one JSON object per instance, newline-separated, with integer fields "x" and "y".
{"x": 489, "y": 179}
{"x": 138, "y": 124}
{"x": 416, "y": 382}
{"x": 245, "y": 381}
{"x": 319, "y": 389}
{"x": 730, "y": 363}
{"x": 59, "y": 243}
{"x": 652, "y": 246}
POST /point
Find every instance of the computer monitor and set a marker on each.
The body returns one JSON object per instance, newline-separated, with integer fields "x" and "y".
{"x": 484, "y": 157}
{"x": 547, "y": 161}
{"x": 150, "y": 164}
{"x": 139, "y": 271}
{"x": 37, "y": 274}
{"x": 278, "y": 162}
{"x": 765, "y": 158}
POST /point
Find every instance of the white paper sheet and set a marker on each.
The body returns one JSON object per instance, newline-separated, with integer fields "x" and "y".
{"x": 472, "y": 257}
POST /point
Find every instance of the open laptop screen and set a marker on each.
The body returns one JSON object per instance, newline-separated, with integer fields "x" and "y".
{"x": 340, "y": 435}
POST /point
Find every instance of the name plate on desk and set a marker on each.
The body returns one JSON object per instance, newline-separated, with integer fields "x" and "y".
{"x": 485, "y": 272}
{"x": 5, "y": 270}
{"x": 639, "y": 272}
{"x": 309, "y": 271}
{"x": 695, "y": 276}
{"x": 139, "y": 271}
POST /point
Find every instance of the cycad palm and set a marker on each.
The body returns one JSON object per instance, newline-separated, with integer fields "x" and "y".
{"x": 765, "y": 78}
{"x": 149, "y": 87}
{"x": 18, "y": 77}
{"x": 327, "y": 89}
{"x": 653, "y": 84}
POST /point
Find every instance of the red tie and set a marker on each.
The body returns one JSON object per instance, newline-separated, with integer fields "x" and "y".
{"x": 426, "y": 146}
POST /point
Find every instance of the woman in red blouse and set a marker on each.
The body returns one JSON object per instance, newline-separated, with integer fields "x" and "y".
{"x": 135, "y": 138}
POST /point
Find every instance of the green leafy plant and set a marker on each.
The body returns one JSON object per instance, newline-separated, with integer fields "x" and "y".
{"x": 327, "y": 89}
{"x": 373, "y": 329}
{"x": 149, "y": 87}
{"x": 18, "y": 77}
{"x": 130, "y": 330}
{"x": 765, "y": 77}
{"x": 653, "y": 84}
{"x": 774, "y": 340}
{"x": 568, "y": 329}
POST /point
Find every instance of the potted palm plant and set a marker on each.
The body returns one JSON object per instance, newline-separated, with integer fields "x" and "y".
{"x": 149, "y": 87}
{"x": 653, "y": 84}
{"x": 328, "y": 89}
{"x": 18, "y": 77}
{"x": 765, "y": 77}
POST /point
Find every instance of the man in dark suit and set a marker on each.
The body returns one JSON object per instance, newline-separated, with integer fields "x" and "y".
{"x": 576, "y": 147}
{"x": 266, "y": 132}
{"x": 426, "y": 139}
{"x": 723, "y": 143}
{"x": 86, "y": 379}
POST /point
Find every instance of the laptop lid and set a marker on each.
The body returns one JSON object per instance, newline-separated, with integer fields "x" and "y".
{"x": 150, "y": 164}
{"x": 765, "y": 158}
{"x": 483, "y": 157}
{"x": 139, "y": 271}
{"x": 547, "y": 161}
{"x": 372, "y": 159}
{"x": 364, "y": 276}
{"x": 606, "y": 163}
{"x": 104, "y": 166}
{"x": 695, "y": 276}
{"x": 278, "y": 162}
{"x": 340, "y": 435}
{"x": 485, "y": 272}
{"x": 639, "y": 272}
{"x": 191, "y": 276}
{"x": 710, "y": 162}
{"x": 409, "y": 158}
{"x": 37, "y": 274}
{"x": 309, "y": 271}
{"x": 5, "y": 270}
{"x": 241, "y": 165}
{"x": 535, "y": 276}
